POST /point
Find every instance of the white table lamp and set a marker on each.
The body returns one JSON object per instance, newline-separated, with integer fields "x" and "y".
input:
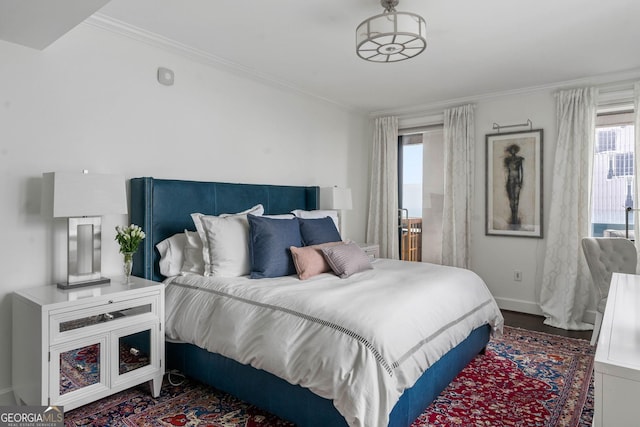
{"x": 83, "y": 198}
{"x": 336, "y": 198}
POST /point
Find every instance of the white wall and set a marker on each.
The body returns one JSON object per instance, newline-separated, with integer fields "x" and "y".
{"x": 91, "y": 101}
{"x": 495, "y": 258}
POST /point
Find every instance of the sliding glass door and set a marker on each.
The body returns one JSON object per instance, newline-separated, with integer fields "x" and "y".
{"x": 421, "y": 194}
{"x": 410, "y": 155}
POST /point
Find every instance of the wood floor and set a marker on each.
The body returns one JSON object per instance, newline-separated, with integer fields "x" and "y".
{"x": 535, "y": 323}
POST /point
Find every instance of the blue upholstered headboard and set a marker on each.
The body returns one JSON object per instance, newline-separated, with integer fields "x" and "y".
{"x": 163, "y": 207}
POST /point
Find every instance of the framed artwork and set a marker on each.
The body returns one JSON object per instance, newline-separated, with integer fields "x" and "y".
{"x": 514, "y": 184}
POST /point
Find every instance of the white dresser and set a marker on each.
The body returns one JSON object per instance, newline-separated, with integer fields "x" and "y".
{"x": 617, "y": 360}
{"x": 71, "y": 347}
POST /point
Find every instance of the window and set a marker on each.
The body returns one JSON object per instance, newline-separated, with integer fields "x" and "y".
{"x": 613, "y": 172}
{"x": 606, "y": 141}
{"x": 623, "y": 164}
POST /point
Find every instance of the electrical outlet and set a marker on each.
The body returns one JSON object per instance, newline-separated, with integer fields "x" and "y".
{"x": 517, "y": 276}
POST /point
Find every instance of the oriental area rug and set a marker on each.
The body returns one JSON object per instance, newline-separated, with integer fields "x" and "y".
{"x": 526, "y": 379}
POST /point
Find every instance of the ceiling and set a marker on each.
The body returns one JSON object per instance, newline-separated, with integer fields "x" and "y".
{"x": 474, "y": 48}
{"x": 38, "y": 23}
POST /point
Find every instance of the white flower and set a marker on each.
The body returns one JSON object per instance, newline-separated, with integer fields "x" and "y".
{"x": 129, "y": 237}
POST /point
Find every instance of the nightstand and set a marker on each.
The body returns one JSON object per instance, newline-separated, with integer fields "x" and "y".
{"x": 71, "y": 347}
{"x": 371, "y": 249}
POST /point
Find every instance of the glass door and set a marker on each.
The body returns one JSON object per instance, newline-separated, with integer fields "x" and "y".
{"x": 78, "y": 369}
{"x": 421, "y": 194}
{"x": 134, "y": 351}
{"x": 410, "y": 177}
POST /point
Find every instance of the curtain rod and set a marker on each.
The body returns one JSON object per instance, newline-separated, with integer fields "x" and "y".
{"x": 529, "y": 123}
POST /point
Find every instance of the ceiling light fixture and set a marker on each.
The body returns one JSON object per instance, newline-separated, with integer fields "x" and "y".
{"x": 391, "y": 36}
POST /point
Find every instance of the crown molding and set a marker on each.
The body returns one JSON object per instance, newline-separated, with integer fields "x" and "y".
{"x": 121, "y": 28}
{"x": 605, "y": 82}
{"x": 612, "y": 84}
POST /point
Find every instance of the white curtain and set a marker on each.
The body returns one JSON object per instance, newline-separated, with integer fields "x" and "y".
{"x": 382, "y": 223}
{"x": 433, "y": 195}
{"x": 636, "y": 164}
{"x": 459, "y": 149}
{"x": 565, "y": 291}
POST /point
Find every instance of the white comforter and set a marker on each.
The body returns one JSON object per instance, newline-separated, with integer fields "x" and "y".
{"x": 359, "y": 341}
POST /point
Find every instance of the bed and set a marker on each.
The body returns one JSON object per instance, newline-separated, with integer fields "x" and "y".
{"x": 403, "y": 391}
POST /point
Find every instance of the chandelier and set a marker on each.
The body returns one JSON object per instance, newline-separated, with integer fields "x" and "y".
{"x": 391, "y": 36}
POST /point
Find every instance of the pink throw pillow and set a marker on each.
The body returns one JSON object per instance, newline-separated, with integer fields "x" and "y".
{"x": 309, "y": 260}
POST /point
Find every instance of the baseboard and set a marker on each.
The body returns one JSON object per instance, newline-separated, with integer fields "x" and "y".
{"x": 519, "y": 306}
{"x": 533, "y": 308}
{"x": 6, "y": 397}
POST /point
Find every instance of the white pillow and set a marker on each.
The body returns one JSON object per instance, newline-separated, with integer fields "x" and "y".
{"x": 318, "y": 214}
{"x": 280, "y": 216}
{"x": 225, "y": 242}
{"x": 193, "y": 263}
{"x": 171, "y": 252}
{"x": 255, "y": 210}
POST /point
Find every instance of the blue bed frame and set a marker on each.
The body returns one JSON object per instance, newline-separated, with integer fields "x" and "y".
{"x": 163, "y": 207}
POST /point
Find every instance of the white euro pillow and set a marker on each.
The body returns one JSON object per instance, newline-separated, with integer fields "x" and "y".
{"x": 193, "y": 261}
{"x": 171, "y": 252}
{"x": 225, "y": 242}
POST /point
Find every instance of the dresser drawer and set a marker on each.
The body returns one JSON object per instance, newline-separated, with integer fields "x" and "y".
{"x": 74, "y": 324}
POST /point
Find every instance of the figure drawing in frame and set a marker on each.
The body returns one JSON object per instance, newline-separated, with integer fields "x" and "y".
{"x": 514, "y": 184}
{"x": 513, "y": 164}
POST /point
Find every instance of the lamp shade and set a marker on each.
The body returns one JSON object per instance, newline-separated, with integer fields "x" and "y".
{"x": 335, "y": 198}
{"x": 68, "y": 194}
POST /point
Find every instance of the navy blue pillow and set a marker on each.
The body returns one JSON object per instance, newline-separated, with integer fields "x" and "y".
{"x": 317, "y": 231}
{"x": 269, "y": 242}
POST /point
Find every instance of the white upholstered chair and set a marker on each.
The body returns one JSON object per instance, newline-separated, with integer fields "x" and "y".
{"x": 605, "y": 256}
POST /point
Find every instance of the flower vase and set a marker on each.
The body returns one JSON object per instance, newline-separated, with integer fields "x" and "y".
{"x": 128, "y": 265}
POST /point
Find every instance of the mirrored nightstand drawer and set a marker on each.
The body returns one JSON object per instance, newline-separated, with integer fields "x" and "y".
{"x": 103, "y": 317}
{"x": 88, "y": 321}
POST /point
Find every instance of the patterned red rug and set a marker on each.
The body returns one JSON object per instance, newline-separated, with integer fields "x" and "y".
{"x": 524, "y": 379}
